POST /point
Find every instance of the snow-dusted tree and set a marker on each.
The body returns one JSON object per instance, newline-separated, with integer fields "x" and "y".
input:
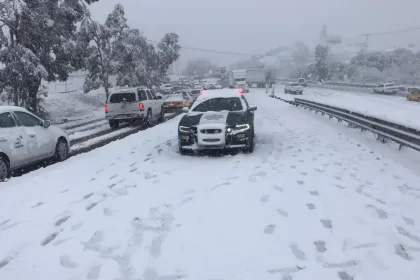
{"x": 321, "y": 64}
{"x": 35, "y": 43}
{"x": 101, "y": 42}
{"x": 168, "y": 52}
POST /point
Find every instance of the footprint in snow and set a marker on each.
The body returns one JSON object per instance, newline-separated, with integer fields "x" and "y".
{"x": 326, "y": 223}
{"x": 94, "y": 272}
{"x": 66, "y": 262}
{"x": 277, "y": 188}
{"x": 408, "y": 221}
{"x": 113, "y": 176}
{"x": 310, "y": 206}
{"x": 264, "y": 198}
{"x": 304, "y": 173}
{"x": 61, "y": 221}
{"x": 299, "y": 254}
{"x": 47, "y": 240}
{"x": 381, "y": 213}
{"x": 107, "y": 212}
{"x": 88, "y": 195}
{"x": 401, "y": 251}
{"x": 91, "y": 206}
{"x": 64, "y": 191}
{"x": 300, "y": 182}
{"x": 314, "y": 193}
{"x": 345, "y": 276}
{"x": 282, "y": 213}
{"x": 38, "y": 204}
{"x": 270, "y": 229}
{"x": 5, "y": 262}
{"x": 320, "y": 246}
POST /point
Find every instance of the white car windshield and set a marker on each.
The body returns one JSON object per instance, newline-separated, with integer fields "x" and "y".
{"x": 219, "y": 104}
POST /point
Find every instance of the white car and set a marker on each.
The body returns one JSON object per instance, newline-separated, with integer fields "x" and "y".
{"x": 386, "y": 88}
{"x": 26, "y": 139}
{"x": 131, "y": 104}
{"x": 166, "y": 88}
{"x": 293, "y": 88}
{"x": 243, "y": 88}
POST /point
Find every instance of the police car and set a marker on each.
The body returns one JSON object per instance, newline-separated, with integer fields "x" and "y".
{"x": 220, "y": 119}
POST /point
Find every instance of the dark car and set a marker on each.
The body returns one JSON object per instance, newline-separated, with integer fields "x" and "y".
{"x": 218, "y": 122}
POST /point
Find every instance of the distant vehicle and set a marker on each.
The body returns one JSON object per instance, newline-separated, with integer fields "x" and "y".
{"x": 386, "y": 88}
{"x": 302, "y": 82}
{"x": 217, "y": 86}
{"x": 243, "y": 88}
{"x": 257, "y": 77}
{"x": 414, "y": 95}
{"x": 218, "y": 120}
{"x": 293, "y": 88}
{"x": 237, "y": 77}
{"x": 132, "y": 104}
{"x": 166, "y": 88}
{"x": 177, "y": 101}
{"x": 195, "y": 93}
{"x": 26, "y": 139}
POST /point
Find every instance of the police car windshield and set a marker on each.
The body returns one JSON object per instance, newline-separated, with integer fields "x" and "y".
{"x": 219, "y": 104}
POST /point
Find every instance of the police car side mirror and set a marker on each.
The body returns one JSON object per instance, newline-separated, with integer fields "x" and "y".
{"x": 253, "y": 108}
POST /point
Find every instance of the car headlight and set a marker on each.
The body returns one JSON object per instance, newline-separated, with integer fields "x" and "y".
{"x": 184, "y": 129}
{"x": 242, "y": 127}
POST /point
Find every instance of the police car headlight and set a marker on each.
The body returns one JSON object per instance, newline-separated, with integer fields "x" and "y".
{"x": 229, "y": 130}
{"x": 184, "y": 129}
{"x": 242, "y": 127}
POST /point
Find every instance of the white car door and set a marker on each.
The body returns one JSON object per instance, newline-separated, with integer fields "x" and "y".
{"x": 151, "y": 103}
{"x": 13, "y": 141}
{"x": 41, "y": 140}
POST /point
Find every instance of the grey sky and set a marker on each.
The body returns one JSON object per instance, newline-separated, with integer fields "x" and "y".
{"x": 254, "y": 26}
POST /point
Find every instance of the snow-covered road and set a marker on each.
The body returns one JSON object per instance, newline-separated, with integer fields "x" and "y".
{"x": 312, "y": 202}
{"x": 388, "y": 107}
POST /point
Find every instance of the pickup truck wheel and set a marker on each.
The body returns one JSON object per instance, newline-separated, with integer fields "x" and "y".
{"x": 162, "y": 114}
{"x": 114, "y": 124}
{"x": 4, "y": 169}
{"x": 148, "y": 120}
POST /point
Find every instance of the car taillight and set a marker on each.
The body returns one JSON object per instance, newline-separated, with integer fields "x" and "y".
{"x": 141, "y": 106}
{"x": 202, "y": 92}
{"x": 106, "y": 109}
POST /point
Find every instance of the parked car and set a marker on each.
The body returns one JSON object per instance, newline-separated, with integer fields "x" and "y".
{"x": 195, "y": 93}
{"x": 26, "y": 139}
{"x": 217, "y": 120}
{"x": 386, "y": 88}
{"x": 133, "y": 104}
{"x": 293, "y": 88}
{"x": 176, "y": 101}
{"x": 166, "y": 88}
{"x": 414, "y": 95}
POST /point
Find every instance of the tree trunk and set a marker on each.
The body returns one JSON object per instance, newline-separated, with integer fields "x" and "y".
{"x": 33, "y": 88}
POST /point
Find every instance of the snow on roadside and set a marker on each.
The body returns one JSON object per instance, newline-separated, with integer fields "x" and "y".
{"x": 310, "y": 203}
{"x": 391, "y": 108}
{"x": 99, "y": 139}
{"x": 87, "y": 127}
{"x": 82, "y": 134}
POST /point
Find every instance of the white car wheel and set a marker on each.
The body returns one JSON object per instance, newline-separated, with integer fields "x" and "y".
{"x": 4, "y": 169}
{"x": 61, "y": 150}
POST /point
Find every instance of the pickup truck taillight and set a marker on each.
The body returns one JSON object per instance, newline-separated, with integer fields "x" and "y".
{"x": 141, "y": 106}
{"x": 106, "y": 109}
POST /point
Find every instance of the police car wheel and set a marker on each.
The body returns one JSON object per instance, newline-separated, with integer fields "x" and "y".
{"x": 4, "y": 169}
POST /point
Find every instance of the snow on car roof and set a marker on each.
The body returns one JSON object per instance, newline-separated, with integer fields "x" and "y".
{"x": 8, "y": 108}
{"x": 174, "y": 97}
{"x": 221, "y": 93}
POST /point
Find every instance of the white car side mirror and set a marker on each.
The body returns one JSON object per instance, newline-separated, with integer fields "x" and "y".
{"x": 46, "y": 124}
{"x": 185, "y": 109}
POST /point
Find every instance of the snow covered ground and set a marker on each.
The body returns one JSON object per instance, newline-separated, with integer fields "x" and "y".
{"x": 314, "y": 201}
{"x": 392, "y": 108}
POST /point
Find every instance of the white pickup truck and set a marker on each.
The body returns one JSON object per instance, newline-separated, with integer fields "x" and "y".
{"x": 386, "y": 88}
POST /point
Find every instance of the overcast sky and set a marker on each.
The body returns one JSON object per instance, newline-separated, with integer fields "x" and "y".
{"x": 253, "y": 26}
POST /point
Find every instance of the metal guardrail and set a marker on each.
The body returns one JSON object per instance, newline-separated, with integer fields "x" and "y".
{"x": 403, "y": 135}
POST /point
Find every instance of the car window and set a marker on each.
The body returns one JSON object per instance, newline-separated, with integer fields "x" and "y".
{"x": 122, "y": 97}
{"x": 220, "y": 104}
{"x": 26, "y": 119}
{"x": 153, "y": 94}
{"x": 6, "y": 120}
{"x": 142, "y": 95}
{"x": 149, "y": 96}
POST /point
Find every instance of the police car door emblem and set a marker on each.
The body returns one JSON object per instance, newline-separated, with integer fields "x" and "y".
{"x": 213, "y": 117}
